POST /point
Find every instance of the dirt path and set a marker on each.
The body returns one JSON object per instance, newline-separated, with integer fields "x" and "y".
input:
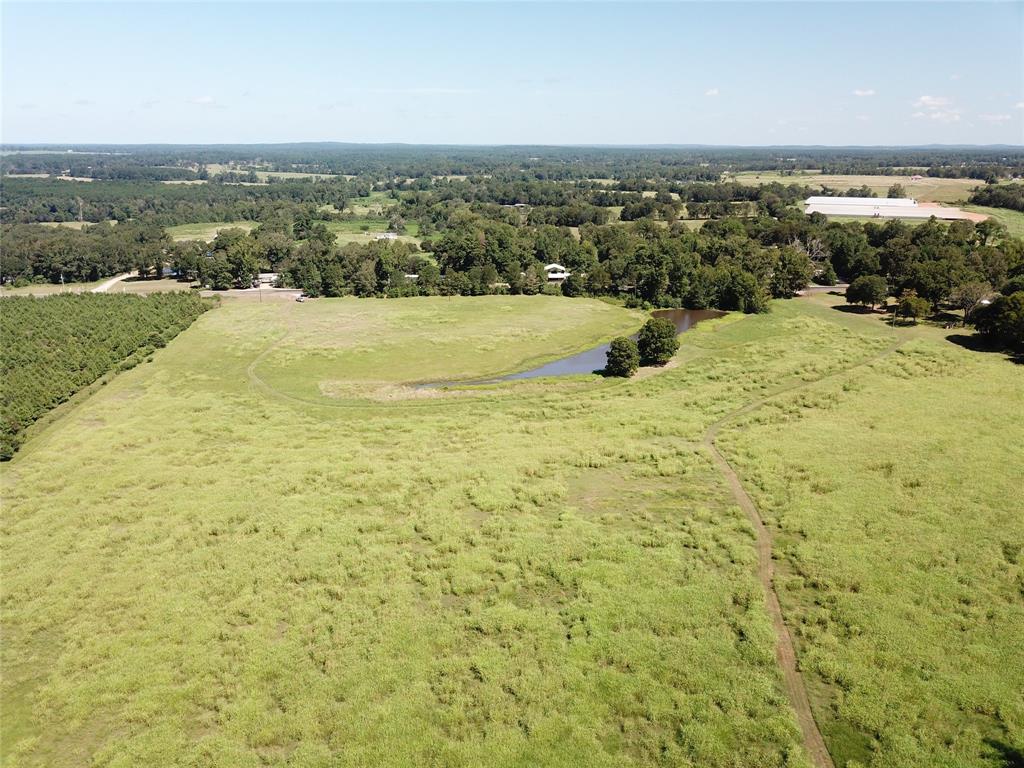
{"x": 108, "y": 284}
{"x": 785, "y": 651}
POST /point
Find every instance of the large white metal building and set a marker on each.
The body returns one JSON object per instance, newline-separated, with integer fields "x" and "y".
{"x": 878, "y": 208}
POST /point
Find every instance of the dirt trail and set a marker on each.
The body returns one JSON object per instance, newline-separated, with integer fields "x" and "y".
{"x": 107, "y": 285}
{"x": 785, "y": 651}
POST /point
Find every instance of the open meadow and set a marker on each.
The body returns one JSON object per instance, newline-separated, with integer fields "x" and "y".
{"x": 925, "y": 189}
{"x": 1012, "y": 220}
{"x": 207, "y": 230}
{"x": 267, "y": 547}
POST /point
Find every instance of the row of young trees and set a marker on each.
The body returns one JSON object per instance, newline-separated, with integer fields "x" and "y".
{"x": 28, "y": 200}
{"x": 52, "y": 347}
{"x": 1000, "y": 196}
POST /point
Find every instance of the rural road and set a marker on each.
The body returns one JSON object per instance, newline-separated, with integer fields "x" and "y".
{"x": 785, "y": 651}
{"x": 106, "y": 285}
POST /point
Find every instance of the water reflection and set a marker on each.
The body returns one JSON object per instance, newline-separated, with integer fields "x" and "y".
{"x": 593, "y": 360}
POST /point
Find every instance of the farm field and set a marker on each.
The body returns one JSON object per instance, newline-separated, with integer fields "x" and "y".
{"x": 366, "y": 228}
{"x": 372, "y": 205}
{"x": 928, "y": 189}
{"x": 215, "y": 168}
{"x": 900, "y": 553}
{"x": 280, "y": 552}
{"x": 74, "y": 224}
{"x": 1012, "y": 220}
{"x": 47, "y": 289}
{"x": 207, "y": 230}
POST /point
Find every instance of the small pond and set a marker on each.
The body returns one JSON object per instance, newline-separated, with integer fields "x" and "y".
{"x": 592, "y": 360}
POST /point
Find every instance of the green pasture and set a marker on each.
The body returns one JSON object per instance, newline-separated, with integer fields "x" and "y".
{"x": 1012, "y": 220}
{"x": 927, "y": 189}
{"x": 207, "y": 230}
{"x": 266, "y": 547}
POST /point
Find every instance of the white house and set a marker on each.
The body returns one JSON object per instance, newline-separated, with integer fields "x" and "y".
{"x": 556, "y": 273}
{"x": 387, "y": 236}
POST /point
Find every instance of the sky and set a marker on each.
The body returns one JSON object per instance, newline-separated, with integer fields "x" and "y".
{"x": 837, "y": 73}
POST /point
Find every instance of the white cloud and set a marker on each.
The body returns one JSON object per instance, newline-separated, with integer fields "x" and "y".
{"x": 932, "y": 102}
{"x": 995, "y": 118}
{"x": 711, "y": 92}
{"x": 415, "y": 91}
{"x": 204, "y": 101}
{"x": 1019, "y": 105}
{"x": 863, "y": 118}
{"x": 937, "y": 108}
{"x": 863, "y": 91}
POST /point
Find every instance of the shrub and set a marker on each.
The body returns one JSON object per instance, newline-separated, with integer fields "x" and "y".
{"x": 657, "y": 341}
{"x": 1013, "y": 285}
{"x": 623, "y": 358}
{"x": 1002, "y": 321}
{"x": 53, "y": 347}
{"x": 573, "y": 286}
{"x": 913, "y": 306}
{"x": 868, "y": 290}
{"x": 827, "y": 275}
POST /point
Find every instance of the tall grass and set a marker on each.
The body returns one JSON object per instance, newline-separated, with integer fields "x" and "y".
{"x": 200, "y": 570}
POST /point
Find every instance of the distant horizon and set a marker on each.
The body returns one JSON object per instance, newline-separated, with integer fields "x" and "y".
{"x": 737, "y": 74}
{"x": 7, "y": 146}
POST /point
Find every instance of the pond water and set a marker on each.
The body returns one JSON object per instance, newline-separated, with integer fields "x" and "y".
{"x": 593, "y": 360}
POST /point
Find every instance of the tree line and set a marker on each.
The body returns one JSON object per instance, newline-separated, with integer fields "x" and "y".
{"x": 52, "y": 347}
{"x": 1000, "y": 196}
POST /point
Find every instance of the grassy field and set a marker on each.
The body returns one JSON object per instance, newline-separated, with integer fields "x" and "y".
{"x": 207, "y": 230}
{"x": 46, "y": 289}
{"x": 373, "y": 205}
{"x": 926, "y": 190}
{"x": 71, "y": 224}
{"x": 215, "y": 168}
{"x": 899, "y": 533}
{"x": 910, "y": 222}
{"x": 1013, "y": 220}
{"x": 366, "y": 228}
{"x": 266, "y": 548}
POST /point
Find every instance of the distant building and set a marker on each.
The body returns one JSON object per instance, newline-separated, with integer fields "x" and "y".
{"x": 875, "y": 207}
{"x": 556, "y": 273}
{"x": 266, "y": 278}
{"x": 880, "y": 208}
{"x": 386, "y": 236}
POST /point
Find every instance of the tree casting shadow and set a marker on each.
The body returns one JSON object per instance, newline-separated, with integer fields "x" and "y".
{"x": 1010, "y": 755}
{"x": 976, "y": 343}
{"x": 856, "y": 309}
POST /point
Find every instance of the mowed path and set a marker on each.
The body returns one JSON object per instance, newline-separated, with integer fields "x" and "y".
{"x": 785, "y": 651}
{"x": 108, "y": 284}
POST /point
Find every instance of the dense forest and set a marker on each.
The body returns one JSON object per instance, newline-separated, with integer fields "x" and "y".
{"x": 652, "y": 226}
{"x": 52, "y": 347}
{"x": 1000, "y": 196}
{"x": 729, "y": 263}
{"x": 388, "y": 161}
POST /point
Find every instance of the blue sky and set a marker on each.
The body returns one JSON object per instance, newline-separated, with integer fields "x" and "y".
{"x": 574, "y": 73}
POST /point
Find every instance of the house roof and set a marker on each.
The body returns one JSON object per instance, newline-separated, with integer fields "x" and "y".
{"x": 553, "y": 267}
{"x": 872, "y": 202}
